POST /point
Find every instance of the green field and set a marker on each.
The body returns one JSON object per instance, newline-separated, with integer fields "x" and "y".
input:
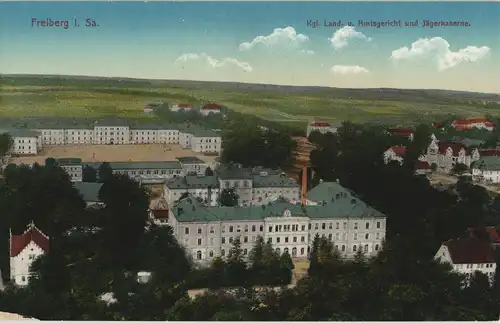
{"x": 57, "y": 96}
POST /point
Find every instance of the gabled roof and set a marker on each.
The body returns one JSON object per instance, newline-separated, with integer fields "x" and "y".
{"x": 160, "y": 214}
{"x": 21, "y": 241}
{"x": 184, "y": 105}
{"x": 470, "y": 251}
{"x": 399, "y": 150}
{"x": 320, "y": 124}
{"x": 455, "y": 147}
{"x": 211, "y": 106}
{"x": 490, "y": 234}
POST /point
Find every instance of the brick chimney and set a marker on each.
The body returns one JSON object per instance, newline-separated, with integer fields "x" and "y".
{"x": 304, "y": 186}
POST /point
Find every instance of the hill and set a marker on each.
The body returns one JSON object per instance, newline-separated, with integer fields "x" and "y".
{"x": 79, "y": 96}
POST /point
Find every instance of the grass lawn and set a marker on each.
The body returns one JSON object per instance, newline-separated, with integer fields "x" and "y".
{"x": 31, "y": 96}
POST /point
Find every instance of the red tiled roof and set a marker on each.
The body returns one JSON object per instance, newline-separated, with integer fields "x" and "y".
{"x": 320, "y": 124}
{"x": 184, "y": 105}
{"x": 489, "y": 152}
{"x": 437, "y": 124}
{"x": 211, "y": 106}
{"x": 455, "y": 146}
{"x": 399, "y": 150}
{"x": 400, "y": 131}
{"x": 470, "y": 251}
{"x": 160, "y": 214}
{"x": 19, "y": 242}
{"x": 419, "y": 164}
{"x": 489, "y": 234}
{"x": 489, "y": 124}
{"x": 463, "y": 127}
{"x": 478, "y": 120}
{"x": 470, "y": 121}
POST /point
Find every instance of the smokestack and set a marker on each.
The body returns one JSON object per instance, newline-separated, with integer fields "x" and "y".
{"x": 304, "y": 185}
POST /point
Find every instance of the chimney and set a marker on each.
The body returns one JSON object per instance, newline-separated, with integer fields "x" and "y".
{"x": 304, "y": 185}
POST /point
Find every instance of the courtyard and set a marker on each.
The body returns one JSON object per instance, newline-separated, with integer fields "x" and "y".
{"x": 113, "y": 153}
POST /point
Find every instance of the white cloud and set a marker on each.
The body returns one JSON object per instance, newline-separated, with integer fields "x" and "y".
{"x": 348, "y": 69}
{"x": 280, "y": 36}
{"x": 439, "y": 49}
{"x": 213, "y": 62}
{"x": 307, "y": 51}
{"x": 341, "y": 37}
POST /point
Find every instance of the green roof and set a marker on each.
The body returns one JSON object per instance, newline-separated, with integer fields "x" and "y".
{"x": 487, "y": 163}
{"x": 139, "y": 165}
{"x": 273, "y": 181}
{"x": 190, "y": 209}
{"x": 13, "y": 132}
{"x": 89, "y": 191}
{"x": 231, "y": 171}
{"x": 69, "y": 161}
{"x": 326, "y": 191}
{"x": 198, "y": 131}
{"x": 190, "y": 160}
{"x": 192, "y": 182}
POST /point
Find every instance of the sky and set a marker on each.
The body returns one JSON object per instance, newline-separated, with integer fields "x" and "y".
{"x": 259, "y": 42}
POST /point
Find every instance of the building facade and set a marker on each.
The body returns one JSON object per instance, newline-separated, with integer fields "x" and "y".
{"x": 24, "y": 249}
{"x": 208, "y": 231}
{"x": 145, "y": 172}
{"x": 116, "y": 132}
{"x": 72, "y": 166}
{"x": 467, "y": 256}
{"x": 254, "y": 187}
{"x": 486, "y": 169}
{"x": 321, "y": 126}
{"x": 447, "y": 154}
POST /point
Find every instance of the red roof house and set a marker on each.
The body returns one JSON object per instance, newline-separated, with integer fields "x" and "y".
{"x": 211, "y": 106}
{"x": 320, "y": 124}
{"x": 455, "y": 147}
{"x": 399, "y": 150}
{"x": 470, "y": 251}
{"x": 19, "y": 242}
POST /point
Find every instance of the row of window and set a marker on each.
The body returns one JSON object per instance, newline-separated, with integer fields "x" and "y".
{"x": 287, "y": 227}
{"x": 355, "y": 248}
{"x": 149, "y": 172}
{"x": 470, "y": 266}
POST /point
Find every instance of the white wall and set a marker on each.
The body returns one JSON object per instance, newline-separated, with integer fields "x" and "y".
{"x": 20, "y": 264}
{"x": 25, "y": 145}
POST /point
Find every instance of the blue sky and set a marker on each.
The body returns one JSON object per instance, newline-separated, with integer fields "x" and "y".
{"x": 261, "y": 42}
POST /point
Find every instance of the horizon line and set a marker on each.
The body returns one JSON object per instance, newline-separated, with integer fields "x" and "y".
{"x": 228, "y": 82}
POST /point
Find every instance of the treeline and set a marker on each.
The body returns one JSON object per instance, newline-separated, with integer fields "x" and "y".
{"x": 264, "y": 267}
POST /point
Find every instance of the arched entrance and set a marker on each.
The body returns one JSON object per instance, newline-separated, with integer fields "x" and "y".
{"x": 111, "y": 141}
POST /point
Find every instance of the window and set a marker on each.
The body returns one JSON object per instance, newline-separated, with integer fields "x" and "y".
{"x": 330, "y": 237}
{"x": 253, "y": 228}
{"x": 230, "y": 239}
{"x": 245, "y": 251}
{"x": 367, "y": 236}
{"x": 316, "y": 226}
{"x": 343, "y": 248}
{"x": 323, "y": 226}
{"x": 212, "y": 230}
{"x": 355, "y": 225}
{"x": 355, "y": 236}
{"x": 278, "y": 240}
{"x": 223, "y": 252}
{"x": 302, "y": 239}
{"x": 367, "y": 225}
{"x": 223, "y": 240}
{"x": 354, "y": 248}
{"x": 286, "y": 239}
{"x": 377, "y": 236}
{"x": 238, "y": 228}
{"x": 231, "y": 228}
{"x": 199, "y": 230}
{"x": 376, "y": 247}
{"x": 186, "y": 230}
{"x": 366, "y": 248}
{"x": 270, "y": 240}
{"x": 337, "y": 225}
{"x": 261, "y": 228}
{"x": 378, "y": 225}
{"x": 199, "y": 242}
{"x": 23, "y": 278}
{"x": 330, "y": 226}
{"x": 223, "y": 229}
{"x": 303, "y": 228}
{"x": 294, "y": 239}
{"x": 245, "y": 239}
{"x": 285, "y": 250}
{"x": 345, "y": 225}
{"x": 270, "y": 229}
{"x": 301, "y": 251}
{"x": 198, "y": 255}
{"x": 211, "y": 253}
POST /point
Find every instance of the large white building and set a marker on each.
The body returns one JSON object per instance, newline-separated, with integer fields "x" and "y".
{"x": 253, "y": 186}
{"x": 468, "y": 255}
{"x": 24, "y": 249}
{"x": 72, "y": 166}
{"x": 486, "y": 169}
{"x": 114, "y": 132}
{"x": 332, "y": 212}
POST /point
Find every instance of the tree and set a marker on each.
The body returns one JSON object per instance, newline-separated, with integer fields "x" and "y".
{"x": 6, "y": 143}
{"x": 89, "y": 174}
{"x": 236, "y": 266}
{"x": 228, "y": 197}
{"x": 104, "y": 172}
{"x": 459, "y": 168}
{"x": 209, "y": 172}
